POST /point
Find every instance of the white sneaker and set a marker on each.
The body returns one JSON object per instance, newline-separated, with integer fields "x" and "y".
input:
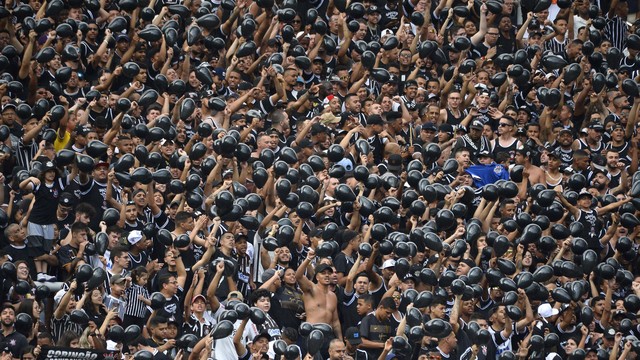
{"x": 49, "y": 278}
{"x": 41, "y": 277}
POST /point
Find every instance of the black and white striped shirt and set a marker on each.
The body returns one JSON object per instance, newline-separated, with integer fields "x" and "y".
{"x": 60, "y": 326}
{"x": 556, "y": 46}
{"x": 616, "y": 31}
{"x": 136, "y": 307}
{"x": 25, "y": 153}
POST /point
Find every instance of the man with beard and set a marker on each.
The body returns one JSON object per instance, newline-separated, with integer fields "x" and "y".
{"x": 93, "y": 190}
{"x": 9, "y": 336}
{"x": 593, "y": 142}
{"x": 601, "y": 182}
{"x": 353, "y": 107}
{"x": 562, "y": 147}
{"x": 615, "y": 168}
{"x": 473, "y": 141}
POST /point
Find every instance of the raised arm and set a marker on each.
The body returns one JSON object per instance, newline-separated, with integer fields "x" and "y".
{"x": 305, "y": 284}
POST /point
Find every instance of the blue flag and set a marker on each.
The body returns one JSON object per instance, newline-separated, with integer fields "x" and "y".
{"x": 487, "y": 174}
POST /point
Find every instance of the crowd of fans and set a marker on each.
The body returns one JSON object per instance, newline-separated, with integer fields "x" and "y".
{"x": 320, "y": 179}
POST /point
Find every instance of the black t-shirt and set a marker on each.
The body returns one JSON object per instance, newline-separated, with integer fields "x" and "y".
{"x": 95, "y": 193}
{"x": 44, "y": 210}
{"x": 343, "y": 263}
{"x": 172, "y": 309}
{"x": 21, "y": 253}
{"x": 16, "y": 342}
{"x": 286, "y": 306}
{"x": 348, "y": 308}
{"x": 223, "y": 287}
{"x": 375, "y": 330}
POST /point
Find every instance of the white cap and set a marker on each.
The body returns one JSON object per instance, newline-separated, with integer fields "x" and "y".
{"x": 134, "y": 237}
{"x": 301, "y": 33}
{"x": 388, "y": 263}
{"x": 386, "y": 32}
{"x": 546, "y": 310}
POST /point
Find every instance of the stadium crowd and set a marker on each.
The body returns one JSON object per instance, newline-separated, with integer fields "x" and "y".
{"x": 319, "y": 179}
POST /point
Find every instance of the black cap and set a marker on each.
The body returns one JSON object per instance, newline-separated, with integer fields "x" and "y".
{"x": 595, "y": 125}
{"x": 477, "y": 124}
{"x": 353, "y": 336}
{"x": 66, "y": 199}
{"x": 373, "y": 9}
{"x": 323, "y": 267}
{"x": 447, "y": 128}
{"x": 410, "y": 83}
{"x": 395, "y": 162}
{"x": 429, "y": 126}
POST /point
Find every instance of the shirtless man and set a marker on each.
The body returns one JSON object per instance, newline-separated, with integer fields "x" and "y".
{"x": 320, "y": 303}
{"x": 531, "y": 174}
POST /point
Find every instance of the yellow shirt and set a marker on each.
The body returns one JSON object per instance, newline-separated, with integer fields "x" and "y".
{"x": 60, "y": 144}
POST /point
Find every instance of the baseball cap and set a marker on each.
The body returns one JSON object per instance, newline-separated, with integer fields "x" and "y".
{"x": 409, "y": 276}
{"x": 429, "y": 126}
{"x": 389, "y": 263}
{"x": 610, "y": 333}
{"x": 374, "y": 9}
{"x": 134, "y": 237}
{"x": 66, "y": 199}
{"x": 323, "y": 267}
{"x": 81, "y": 130}
{"x": 199, "y": 296}
{"x": 118, "y": 279}
{"x": 353, "y": 335}
{"x": 395, "y": 162}
{"x": 595, "y": 125}
{"x": 485, "y": 153}
{"x": 546, "y": 310}
{"x": 49, "y": 165}
{"x": 447, "y": 128}
{"x": 122, "y": 37}
{"x": 235, "y": 295}
{"x": 410, "y": 83}
{"x": 386, "y": 32}
{"x": 263, "y": 334}
{"x": 477, "y": 124}
{"x": 9, "y": 105}
{"x": 524, "y": 151}
{"x": 584, "y": 192}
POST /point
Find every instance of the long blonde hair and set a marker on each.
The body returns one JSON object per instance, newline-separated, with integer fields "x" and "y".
{"x": 84, "y": 339}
